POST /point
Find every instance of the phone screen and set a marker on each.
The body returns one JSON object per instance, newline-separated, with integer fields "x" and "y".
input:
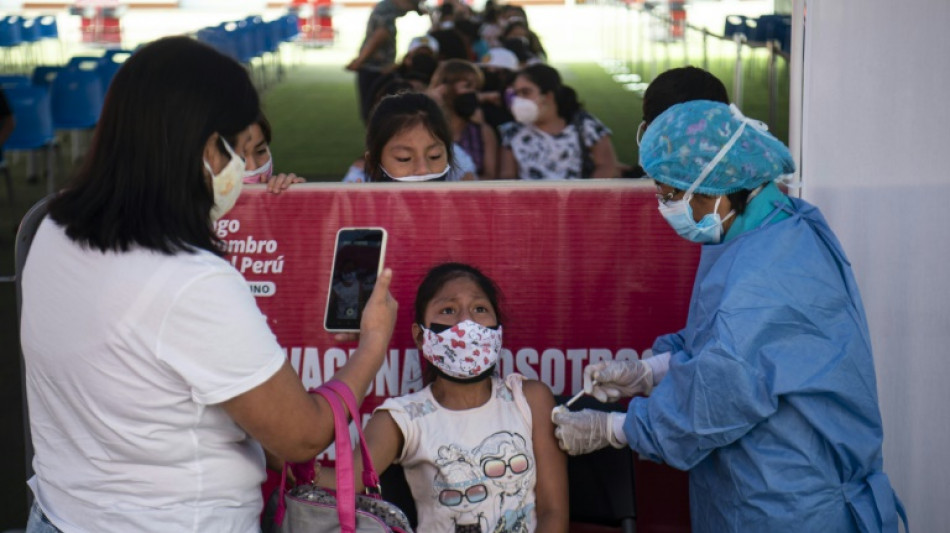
{"x": 357, "y": 261}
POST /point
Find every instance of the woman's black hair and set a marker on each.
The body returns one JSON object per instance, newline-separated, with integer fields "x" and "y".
{"x": 548, "y": 80}
{"x": 451, "y": 44}
{"x": 433, "y": 282}
{"x": 265, "y": 127}
{"x": 679, "y": 85}
{"x": 143, "y": 182}
{"x": 396, "y": 113}
{"x": 490, "y": 12}
{"x": 532, "y": 42}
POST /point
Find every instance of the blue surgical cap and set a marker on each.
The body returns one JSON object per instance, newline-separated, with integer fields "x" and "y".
{"x": 681, "y": 142}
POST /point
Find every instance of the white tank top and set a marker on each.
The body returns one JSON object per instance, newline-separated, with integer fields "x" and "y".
{"x": 470, "y": 467}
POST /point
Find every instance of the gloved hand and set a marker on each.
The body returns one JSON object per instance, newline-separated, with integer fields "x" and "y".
{"x": 608, "y": 381}
{"x": 585, "y": 431}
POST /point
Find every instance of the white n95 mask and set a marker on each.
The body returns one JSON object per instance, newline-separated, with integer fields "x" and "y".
{"x": 420, "y": 177}
{"x": 524, "y": 110}
{"x": 226, "y": 184}
{"x": 463, "y": 351}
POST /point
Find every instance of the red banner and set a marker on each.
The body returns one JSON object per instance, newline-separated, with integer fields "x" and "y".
{"x": 588, "y": 271}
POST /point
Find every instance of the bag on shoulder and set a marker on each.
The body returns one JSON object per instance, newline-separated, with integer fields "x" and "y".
{"x": 308, "y": 508}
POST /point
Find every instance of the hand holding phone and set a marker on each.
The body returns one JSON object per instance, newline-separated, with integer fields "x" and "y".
{"x": 357, "y": 263}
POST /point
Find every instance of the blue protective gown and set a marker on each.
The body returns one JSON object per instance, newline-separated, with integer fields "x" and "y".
{"x": 771, "y": 401}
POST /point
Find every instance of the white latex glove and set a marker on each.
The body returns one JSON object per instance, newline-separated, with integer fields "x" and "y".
{"x": 584, "y": 431}
{"x": 608, "y": 381}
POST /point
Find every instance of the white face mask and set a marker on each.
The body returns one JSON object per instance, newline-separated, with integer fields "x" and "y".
{"x": 524, "y": 110}
{"x": 463, "y": 351}
{"x": 421, "y": 177}
{"x": 262, "y": 173}
{"x": 226, "y": 184}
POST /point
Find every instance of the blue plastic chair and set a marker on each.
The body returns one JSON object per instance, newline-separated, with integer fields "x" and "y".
{"x": 10, "y": 39}
{"x": 77, "y": 96}
{"x": 30, "y": 30}
{"x": 43, "y": 75}
{"x": 13, "y": 80}
{"x": 291, "y": 26}
{"x": 30, "y": 33}
{"x": 84, "y": 62}
{"x": 736, "y": 24}
{"x": 34, "y": 126}
{"x": 49, "y": 32}
{"x": 112, "y": 60}
{"x": 774, "y": 28}
{"x": 48, "y": 27}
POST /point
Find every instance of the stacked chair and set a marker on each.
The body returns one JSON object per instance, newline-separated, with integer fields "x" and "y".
{"x": 254, "y": 43}
{"x": 54, "y": 99}
{"x": 762, "y": 29}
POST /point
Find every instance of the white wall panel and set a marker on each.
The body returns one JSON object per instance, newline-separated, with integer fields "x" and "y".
{"x": 875, "y": 153}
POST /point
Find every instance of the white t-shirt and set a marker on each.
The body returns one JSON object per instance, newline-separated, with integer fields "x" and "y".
{"x": 469, "y": 467}
{"x": 127, "y": 356}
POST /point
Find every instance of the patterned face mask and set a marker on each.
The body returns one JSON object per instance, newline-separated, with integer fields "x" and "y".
{"x": 463, "y": 351}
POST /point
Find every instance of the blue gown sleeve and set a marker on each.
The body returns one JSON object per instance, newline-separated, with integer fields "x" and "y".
{"x": 706, "y": 401}
{"x": 671, "y": 342}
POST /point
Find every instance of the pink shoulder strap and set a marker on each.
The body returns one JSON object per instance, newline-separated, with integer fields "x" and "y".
{"x": 334, "y": 391}
{"x": 370, "y": 477}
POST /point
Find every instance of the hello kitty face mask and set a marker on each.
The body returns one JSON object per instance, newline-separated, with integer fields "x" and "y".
{"x": 463, "y": 351}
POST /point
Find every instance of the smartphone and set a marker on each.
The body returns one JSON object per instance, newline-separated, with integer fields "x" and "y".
{"x": 357, "y": 262}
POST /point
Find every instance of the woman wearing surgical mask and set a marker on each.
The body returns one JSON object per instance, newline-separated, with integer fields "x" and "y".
{"x": 770, "y": 398}
{"x": 456, "y": 84}
{"x": 259, "y": 165}
{"x": 408, "y": 140}
{"x": 477, "y": 450}
{"x": 552, "y": 137}
{"x": 152, "y": 379}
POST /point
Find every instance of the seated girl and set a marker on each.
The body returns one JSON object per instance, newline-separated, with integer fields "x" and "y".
{"x": 478, "y": 450}
{"x": 553, "y": 137}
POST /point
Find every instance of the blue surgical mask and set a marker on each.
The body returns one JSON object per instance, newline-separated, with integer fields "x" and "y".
{"x": 679, "y": 215}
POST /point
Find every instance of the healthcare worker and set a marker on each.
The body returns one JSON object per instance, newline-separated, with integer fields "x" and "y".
{"x": 770, "y": 398}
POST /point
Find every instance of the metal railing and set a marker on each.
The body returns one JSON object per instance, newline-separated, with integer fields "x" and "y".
{"x": 638, "y": 42}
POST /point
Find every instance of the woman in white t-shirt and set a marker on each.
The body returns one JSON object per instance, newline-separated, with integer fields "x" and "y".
{"x": 552, "y": 138}
{"x": 152, "y": 378}
{"x": 478, "y": 450}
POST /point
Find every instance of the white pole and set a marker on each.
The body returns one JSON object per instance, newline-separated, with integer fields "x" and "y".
{"x": 795, "y": 96}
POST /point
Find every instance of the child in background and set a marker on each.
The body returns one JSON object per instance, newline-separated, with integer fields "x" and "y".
{"x": 259, "y": 164}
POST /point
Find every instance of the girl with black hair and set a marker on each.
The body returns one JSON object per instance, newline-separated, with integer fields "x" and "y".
{"x": 478, "y": 450}
{"x": 409, "y": 140}
{"x": 552, "y": 137}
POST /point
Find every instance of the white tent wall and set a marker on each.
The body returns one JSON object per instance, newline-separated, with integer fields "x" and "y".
{"x": 875, "y": 157}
